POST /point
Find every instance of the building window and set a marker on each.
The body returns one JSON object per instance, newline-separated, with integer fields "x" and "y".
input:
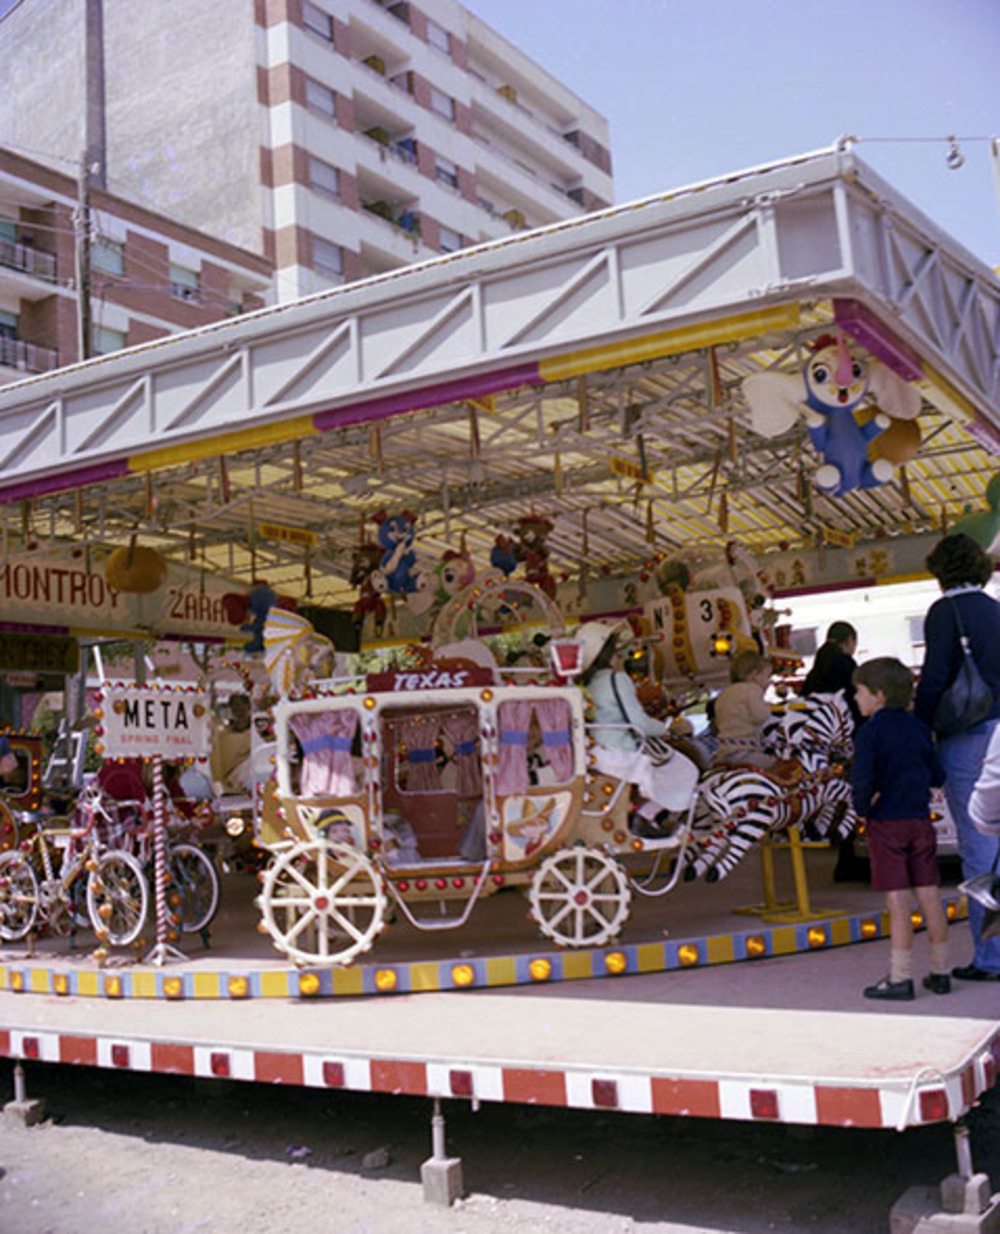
{"x": 448, "y": 241}
{"x": 321, "y": 99}
{"x": 316, "y": 20}
{"x": 8, "y": 325}
{"x": 445, "y": 172}
{"x": 107, "y": 256}
{"x": 442, "y": 103}
{"x": 185, "y": 284}
{"x": 324, "y": 177}
{"x": 328, "y": 258}
{"x": 438, "y": 37}
{"x": 105, "y": 340}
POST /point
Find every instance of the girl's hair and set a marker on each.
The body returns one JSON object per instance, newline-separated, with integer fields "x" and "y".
{"x": 603, "y": 657}
{"x": 747, "y": 664}
{"x": 958, "y": 560}
{"x": 840, "y": 632}
{"x": 887, "y": 676}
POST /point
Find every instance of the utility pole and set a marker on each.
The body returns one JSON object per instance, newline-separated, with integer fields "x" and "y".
{"x": 81, "y": 229}
{"x": 93, "y": 166}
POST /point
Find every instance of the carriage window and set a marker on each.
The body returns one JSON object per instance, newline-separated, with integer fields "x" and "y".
{"x": 438, "y": 752}
{"x": 536, "y": 744}
{"x": 328, "y": 740}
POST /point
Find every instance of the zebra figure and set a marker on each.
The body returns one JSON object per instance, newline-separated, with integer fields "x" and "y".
{"x": 746, "y": 803}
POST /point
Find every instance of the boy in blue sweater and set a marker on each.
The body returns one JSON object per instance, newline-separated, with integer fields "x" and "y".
{"x": 895, "y": 767}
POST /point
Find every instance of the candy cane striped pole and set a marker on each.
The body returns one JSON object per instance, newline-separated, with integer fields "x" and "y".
{"x": 159, "y": 853}
{"x": 162, "y": 951}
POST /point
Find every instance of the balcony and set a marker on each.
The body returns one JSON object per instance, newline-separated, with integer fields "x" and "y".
{"x": 28, "y": 260}
{"x": 27, "y": 357}
{"x": 402, "y": 149}
{"x": 407, "y": 220}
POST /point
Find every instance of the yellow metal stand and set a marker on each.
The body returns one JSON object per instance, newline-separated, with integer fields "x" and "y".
{"x": 787, "y": 912}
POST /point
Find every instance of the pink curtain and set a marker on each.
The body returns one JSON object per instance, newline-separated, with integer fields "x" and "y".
{"x": 326, "y": 738}
{"x": 419, "y": 733}
{"x": 512, "y": 772}
{"x": 460, "y": 728}
{"x": 554, "y": 721}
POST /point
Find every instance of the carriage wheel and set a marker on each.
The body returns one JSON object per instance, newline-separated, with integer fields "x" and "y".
{"x": 194, "y": 878}
{"x": 323, "y": 900}
{"x": 580, "y": 897}
{"x": 118, "y": 898}
{"x": 18, "y": 897}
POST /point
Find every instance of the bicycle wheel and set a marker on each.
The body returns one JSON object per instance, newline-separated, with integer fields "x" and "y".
{"x": 195, "y": 880}
{"x": 18, "y": 897}
{"x": 118, "y": 898}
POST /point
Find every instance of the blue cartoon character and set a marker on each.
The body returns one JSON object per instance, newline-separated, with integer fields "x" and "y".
{"x": 397, "y": 572}
{"x": 836, "y": 383}
{"x": 261, "y": 600}
{"x": 503, "y": 557}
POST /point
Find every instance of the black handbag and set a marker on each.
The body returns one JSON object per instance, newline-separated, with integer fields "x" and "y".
{"x": 968, "y": 700}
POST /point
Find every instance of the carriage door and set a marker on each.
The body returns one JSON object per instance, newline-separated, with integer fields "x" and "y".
{"x": 431, "y": 773}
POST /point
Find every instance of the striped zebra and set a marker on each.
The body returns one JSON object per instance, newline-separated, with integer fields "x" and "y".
{"x": 743, "y": 804}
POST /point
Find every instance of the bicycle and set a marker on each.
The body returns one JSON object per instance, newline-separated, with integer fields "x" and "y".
{"x": 193, "y": 890}
{"x": 43, "y": 881}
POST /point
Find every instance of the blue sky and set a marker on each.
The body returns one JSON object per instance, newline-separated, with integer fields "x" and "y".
{"x": 696, "y": 88}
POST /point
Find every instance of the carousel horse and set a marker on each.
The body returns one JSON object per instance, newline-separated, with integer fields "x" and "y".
{"x": 808, "y": 789}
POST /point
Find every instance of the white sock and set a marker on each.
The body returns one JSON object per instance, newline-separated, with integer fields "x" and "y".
{"x": 900, "y": 965}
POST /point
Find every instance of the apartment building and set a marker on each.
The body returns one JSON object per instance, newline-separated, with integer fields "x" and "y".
{"x": 149, "y": 276}
{"x": 339, "y": 138}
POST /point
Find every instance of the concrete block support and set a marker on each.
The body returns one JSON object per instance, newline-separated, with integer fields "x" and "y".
{"x": 441, "y": 1175}
{"x": 442, "y": 1180}
{"x": 961, "y": 1205}
{"x": 23, "y": 1108}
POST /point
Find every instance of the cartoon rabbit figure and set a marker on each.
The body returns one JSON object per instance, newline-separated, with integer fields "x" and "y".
{"x": 836, "y": 385}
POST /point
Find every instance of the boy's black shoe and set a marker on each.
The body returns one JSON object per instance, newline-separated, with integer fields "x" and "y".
{"x": 896, "y": 991}
{"x": 938, "y": 983}
{"x": 969, "y": 972}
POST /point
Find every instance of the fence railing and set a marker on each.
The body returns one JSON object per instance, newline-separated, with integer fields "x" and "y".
{"x": 31, "y": 260}
{"x": 15, "y": 353}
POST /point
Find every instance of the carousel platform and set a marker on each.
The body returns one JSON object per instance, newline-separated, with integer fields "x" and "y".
{"x": 756, "y": 914}
{"x": 698, "y": 1010}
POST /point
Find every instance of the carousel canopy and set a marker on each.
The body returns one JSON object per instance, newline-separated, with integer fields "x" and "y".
{"x": 591, "y": 374}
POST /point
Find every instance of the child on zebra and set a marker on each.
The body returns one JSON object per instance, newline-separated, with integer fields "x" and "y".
{"x": 741, "y": 711}
{"x": 895, "y": 767}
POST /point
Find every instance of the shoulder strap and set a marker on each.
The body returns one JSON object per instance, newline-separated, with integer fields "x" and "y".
{"x": 621, "y": 705}
{"x": 963, "y": 638}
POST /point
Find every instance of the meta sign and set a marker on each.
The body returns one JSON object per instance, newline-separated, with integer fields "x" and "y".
{"x": 141, "y": 722}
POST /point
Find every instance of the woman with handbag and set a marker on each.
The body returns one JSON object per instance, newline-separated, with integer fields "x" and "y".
{"x": 632, "y": 745}
{"x": 959, "y": 697}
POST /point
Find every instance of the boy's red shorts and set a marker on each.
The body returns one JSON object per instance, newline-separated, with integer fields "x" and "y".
{"x": 903, "y": 853}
